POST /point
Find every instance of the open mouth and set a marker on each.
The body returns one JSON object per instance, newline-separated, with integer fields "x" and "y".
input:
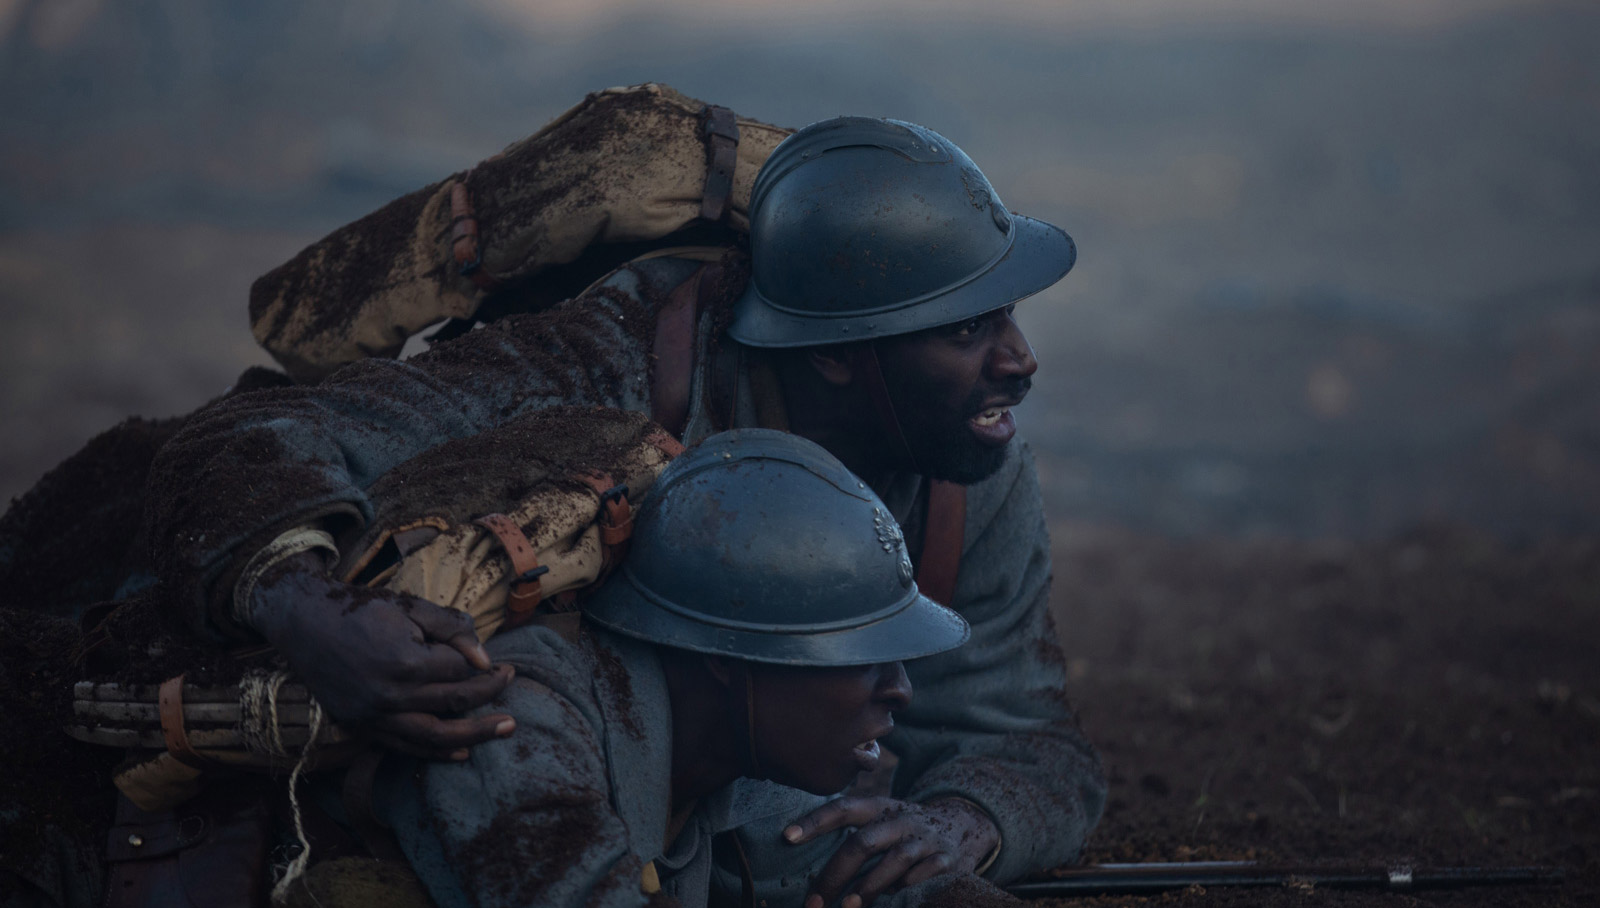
{"x": 994, "y": 426}
{"x": 867, "y": 754}
{"x": 990, "y": 417}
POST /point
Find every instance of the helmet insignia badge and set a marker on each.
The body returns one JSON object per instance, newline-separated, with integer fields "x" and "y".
{"x": 892, "y": 540}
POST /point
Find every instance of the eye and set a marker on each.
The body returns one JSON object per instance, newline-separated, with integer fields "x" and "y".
{"x": 968, "y": 328}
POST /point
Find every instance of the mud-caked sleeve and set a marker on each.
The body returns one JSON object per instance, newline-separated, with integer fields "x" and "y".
{"x": 525, "y": 820}
{"x": 252, "y": 465}
{"x": 990, "y": 721}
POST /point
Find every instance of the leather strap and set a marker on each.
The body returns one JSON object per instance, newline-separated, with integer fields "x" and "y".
{"x": 464, "y": 237}
{"x": 942, "y": 538}
{"x": 864, "y": 359}
{"x": 526, "y": 589}
{"x": 672, "y": 351}
{"x": 615, "y": 518}
{"x": 722, "y": 154}
{"x": 170, "y": 699}
{"x": 747, "y": 882}
{"x": 722, "y": 391}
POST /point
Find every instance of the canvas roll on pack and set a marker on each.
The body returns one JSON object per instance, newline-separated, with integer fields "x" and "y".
{"x": 625, "y": 170}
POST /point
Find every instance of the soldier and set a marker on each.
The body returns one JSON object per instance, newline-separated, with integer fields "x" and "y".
{"x": 755, "y": 631}
{"x": 877, "y": 322}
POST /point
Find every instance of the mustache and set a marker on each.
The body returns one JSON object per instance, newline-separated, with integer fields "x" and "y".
{"x": 1015, "y": 387}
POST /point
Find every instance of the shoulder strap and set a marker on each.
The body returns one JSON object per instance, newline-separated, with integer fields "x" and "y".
{"x": 942, "y": 536}
{"x": 673, "y": 350}
{"x": 722, "y": 154}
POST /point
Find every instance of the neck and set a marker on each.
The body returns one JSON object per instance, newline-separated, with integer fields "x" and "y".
{"x": 708, "y": 752}
{"x": 840, "y": 419}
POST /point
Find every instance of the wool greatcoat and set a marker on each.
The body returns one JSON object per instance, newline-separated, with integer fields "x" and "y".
{"x": 989, "y": 722}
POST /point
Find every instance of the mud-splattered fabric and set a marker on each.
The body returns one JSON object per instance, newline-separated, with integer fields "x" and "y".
{"x": 624, "y": 166}
{"x": 990, "y": 722}
{"x": 571, "y": 807}
{"x": 254, "y": 464}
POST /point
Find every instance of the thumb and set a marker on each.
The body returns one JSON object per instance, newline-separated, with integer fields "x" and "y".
{"x": 451, "y": 627}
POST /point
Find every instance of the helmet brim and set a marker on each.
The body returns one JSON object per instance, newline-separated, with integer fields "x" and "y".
{"x": 1040, "y": 254}
{"x": 922, "y": 628}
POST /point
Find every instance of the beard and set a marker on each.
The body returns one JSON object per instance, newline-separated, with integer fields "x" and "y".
{"x": 941, "y": 441}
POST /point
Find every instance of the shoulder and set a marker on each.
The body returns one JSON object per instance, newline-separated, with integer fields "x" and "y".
{"x": 613, "y": 679}
{"x": 1009, "y": 502}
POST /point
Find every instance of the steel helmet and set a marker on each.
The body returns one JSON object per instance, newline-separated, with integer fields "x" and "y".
{"x": 863, "y": 228}
{"x": 760, "y": 545}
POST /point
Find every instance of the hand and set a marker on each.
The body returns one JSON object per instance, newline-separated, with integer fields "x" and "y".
{"x": 917, "y": 842}
{"x": 382, "y": 660}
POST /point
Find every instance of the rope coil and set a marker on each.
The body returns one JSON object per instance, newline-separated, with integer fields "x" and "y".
{"x": 259, "y": 727}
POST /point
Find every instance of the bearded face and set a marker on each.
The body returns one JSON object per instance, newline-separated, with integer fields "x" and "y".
{"x": 953, "y": 388}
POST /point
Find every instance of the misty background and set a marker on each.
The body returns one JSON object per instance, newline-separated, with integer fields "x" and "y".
{"x": 1339, "y": 268}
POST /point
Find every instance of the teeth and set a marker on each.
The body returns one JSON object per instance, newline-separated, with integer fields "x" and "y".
{"x": 990, "y": 417}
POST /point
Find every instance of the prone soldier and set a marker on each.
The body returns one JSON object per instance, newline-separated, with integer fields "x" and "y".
{"x": 876, "y": 321}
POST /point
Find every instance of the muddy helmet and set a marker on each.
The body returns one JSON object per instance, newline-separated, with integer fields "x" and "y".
{"x": 759, "y": 545}
{"x": 863, "y": 228}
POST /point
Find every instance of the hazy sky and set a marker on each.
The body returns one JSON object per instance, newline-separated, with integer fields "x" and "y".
{"x": 584, "y": 14}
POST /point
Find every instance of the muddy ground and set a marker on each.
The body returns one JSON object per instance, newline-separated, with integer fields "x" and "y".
{"x": 1432, "y": 699}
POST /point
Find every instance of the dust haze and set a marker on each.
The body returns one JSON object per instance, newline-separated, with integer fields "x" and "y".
{"x": 1336, "y": 277}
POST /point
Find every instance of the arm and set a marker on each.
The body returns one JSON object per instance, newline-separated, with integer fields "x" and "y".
{"x": 526, "y": 820}
{"x": 990, "y": 722}
{"x": 249, "y": 467}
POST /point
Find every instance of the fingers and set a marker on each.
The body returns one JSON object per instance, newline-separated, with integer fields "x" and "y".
{"x": 451, "y": 627}
{"x": 909, "y": 842}
{"x": 433, "y": 738}
{"x": 930, "y": 867}
{"x": 838, "y": 814}
{"x": 863, "y": 845}
{"x": 458, "y": 696}
{"x": 909, "y": 852}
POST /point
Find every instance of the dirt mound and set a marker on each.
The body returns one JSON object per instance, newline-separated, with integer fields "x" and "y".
{"x": 1431, "y": 700}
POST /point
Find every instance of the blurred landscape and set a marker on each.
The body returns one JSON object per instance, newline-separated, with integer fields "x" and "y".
{"x": 1339, "y": 272}
{"x": 1318, "y": 417}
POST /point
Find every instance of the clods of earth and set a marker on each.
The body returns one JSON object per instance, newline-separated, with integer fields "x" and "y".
{"x": 1430, "y": 700}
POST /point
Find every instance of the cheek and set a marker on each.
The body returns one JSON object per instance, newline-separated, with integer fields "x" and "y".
{"x": 942, "y": 384}
{"x": 816, "y": 720}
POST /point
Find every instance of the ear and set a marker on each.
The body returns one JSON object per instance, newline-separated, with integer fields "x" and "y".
{"x": 720, "y": 668}
{"x": 833, "y": 363}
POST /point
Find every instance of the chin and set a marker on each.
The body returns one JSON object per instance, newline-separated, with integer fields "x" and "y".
{"x": 817, "y": 782}
{"x": 962, "y": 462}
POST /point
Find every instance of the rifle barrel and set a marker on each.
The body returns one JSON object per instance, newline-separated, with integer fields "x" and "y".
{"x": 1141, "y": 879}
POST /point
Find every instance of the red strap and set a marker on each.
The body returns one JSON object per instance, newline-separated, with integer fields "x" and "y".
{"x": 942, "y": 537}
{"x": 672, "y": 352}
{"x": 526, "y": 590}
{"x": 464, "y": 236}
{"x": 722, "y": 155}
{"x": 170, "y": 698}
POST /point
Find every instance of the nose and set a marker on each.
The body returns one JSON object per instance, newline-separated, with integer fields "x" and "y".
{"x": 894, "y": 688}
{"x": 1012, "y": 356}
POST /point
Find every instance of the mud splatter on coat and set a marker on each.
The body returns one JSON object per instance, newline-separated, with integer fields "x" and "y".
{"x": 989, "y": 722}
